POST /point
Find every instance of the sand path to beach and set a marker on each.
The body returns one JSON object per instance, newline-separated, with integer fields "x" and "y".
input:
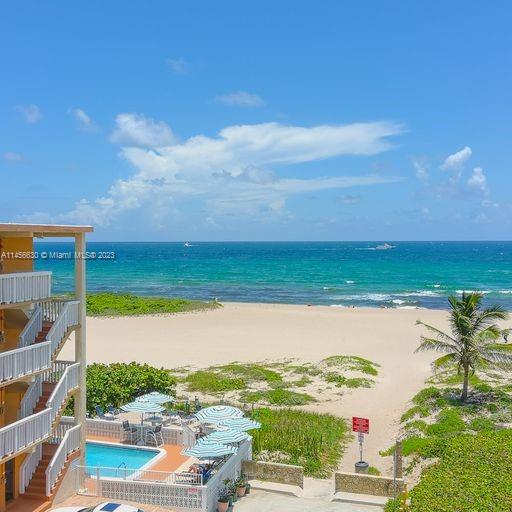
{"x": 257, "y": 332}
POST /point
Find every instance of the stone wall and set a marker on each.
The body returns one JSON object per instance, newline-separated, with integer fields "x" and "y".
{"x": 367, "y": 484}
{"x": 273, "y": 472}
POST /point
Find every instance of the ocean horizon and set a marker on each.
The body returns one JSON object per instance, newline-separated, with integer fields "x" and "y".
{"x": 338, "y": 274}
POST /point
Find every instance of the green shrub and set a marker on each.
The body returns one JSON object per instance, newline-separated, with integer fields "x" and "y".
{"x": 473, "y": 475}
{"x": 341, "y": 381}
{"x": 353, "y": 363}
{"x": 118, "y": 383}
{"x": 481, "y": 424}
{"x": 314, "y": 441}
{"x": 112, "y": 304}
{"x": 277, "y": 397}
{"x": 449, "y": 421}
{"x": 206, "y": 381}
{"x": 427, "y": 395}
{"x": 420, "y": 410}
{"x": 250, "y": 372}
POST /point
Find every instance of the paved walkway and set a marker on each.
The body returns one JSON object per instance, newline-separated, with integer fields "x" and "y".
{"x": 275, "y": 502}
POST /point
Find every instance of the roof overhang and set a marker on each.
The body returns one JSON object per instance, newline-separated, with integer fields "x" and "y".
{"x": 42, "y": 230}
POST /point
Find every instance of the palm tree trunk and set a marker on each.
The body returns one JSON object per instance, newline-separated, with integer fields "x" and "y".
{"x": 465, "y": 383}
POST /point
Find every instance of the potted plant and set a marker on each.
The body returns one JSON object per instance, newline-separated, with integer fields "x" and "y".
{"x": 241, "y": 483}
{"x": 223, "y": 499}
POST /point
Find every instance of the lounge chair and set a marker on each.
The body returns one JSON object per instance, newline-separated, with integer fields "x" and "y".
{"x": 99, "y": 412}
{"x": 111, "y": 411}
{"x": 131, "y": 433}
{"x": 155, "y": 435}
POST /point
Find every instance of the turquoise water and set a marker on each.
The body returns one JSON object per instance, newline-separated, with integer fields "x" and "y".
{"x": 410, "y": 274}
{"x": 116, "y": 457}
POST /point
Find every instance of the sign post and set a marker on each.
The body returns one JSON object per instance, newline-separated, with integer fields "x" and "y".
{"x": 362, "y": 427}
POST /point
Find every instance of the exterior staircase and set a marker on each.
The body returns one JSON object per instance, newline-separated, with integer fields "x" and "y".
{"x": 41, "y": 335}
{"x": 48, "y": 388}
{"x": 37, "y": 487}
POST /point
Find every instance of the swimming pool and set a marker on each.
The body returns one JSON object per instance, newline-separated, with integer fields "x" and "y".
{"x": 114, "y": 459}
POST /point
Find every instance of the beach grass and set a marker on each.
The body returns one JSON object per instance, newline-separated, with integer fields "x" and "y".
{"x": 113, "y": 304}
{"x": 281, "y": 397}
{"x": 314, "y": 441}
{"x": 205, "y": 381}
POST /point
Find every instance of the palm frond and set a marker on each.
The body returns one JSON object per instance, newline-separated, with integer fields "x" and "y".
{"x": 436, "y": 345}
{"x": 440, "y": 334}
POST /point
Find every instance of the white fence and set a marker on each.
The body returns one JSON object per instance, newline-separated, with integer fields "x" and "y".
{"x": 67, "y": 383}
{"x": 70, "y": 443}
{"x": 31, "y": 397}
{"x": 23, "y": 433}
{"x": 29, "y": 466}
{"x": 32, "y": 328}
{"x": 24, "y": 287}
{"x": 178, "y": 491}
{"x": 19, "y": 363}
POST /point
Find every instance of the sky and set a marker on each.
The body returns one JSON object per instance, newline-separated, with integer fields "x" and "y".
{"x": 229, "y": 120}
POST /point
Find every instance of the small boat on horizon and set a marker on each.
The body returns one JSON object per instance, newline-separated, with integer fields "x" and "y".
{"x": 384, "y": 247}
{"x": 187, "y": 244}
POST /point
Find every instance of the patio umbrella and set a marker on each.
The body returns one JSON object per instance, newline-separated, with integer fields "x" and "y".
{"x": 208, "y": 450}
{"x": 217, "y": 413}
{"x": 240, "y": 424}
{"x": 226, "y": 436}
{"x": 142, "y": 406}
{"x": 157, "y": 398}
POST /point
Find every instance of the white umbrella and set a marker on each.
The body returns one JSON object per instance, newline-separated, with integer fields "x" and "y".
{"x": 217, "y": 413}
{"x": 157, "y": 398}
{"x": 226, "y": 436}
{"x": 208, "y": 450}
{"x": 142, "y": 406}
{"x": 240, "y": 424}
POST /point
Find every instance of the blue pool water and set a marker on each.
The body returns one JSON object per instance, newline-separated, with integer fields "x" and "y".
{"x": 109, "y": 456}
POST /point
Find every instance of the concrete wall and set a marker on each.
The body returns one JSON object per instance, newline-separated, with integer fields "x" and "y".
{"x": 273, "y": 472}
{"x": 367, "y": 484}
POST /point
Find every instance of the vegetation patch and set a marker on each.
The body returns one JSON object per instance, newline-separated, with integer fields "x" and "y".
{"x": 119, "y": 383}
{"x": 312, "y": 440}
{"x": 473, "y": 474}
{"x": 282, "y": 397}
{"x": 206, "y": 381}
{"x": 354, "y": 363}
{"x": 250, "y": 372}
{"x": 342, "y": 381}
{"x": 112, "y": 304}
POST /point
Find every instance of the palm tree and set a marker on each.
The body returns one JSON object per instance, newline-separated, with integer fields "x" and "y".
{"x": 475, "y": 339}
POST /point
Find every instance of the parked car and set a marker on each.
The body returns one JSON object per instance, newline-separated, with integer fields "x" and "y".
{"x": 102, "y": 507}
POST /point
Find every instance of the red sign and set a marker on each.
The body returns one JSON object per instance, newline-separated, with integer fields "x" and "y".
{"x": 361, "y": 425}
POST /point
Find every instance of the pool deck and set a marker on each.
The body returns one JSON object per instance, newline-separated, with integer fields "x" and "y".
{"x": 172, "y": 461}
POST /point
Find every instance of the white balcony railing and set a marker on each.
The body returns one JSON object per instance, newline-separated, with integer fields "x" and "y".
{"x": 29, "y": 466}
{"x": 24, "y": 287}
{"x": 22, "y": 362}
{"x": 70, "y": 443}
{"x": 22, "y": 434}
{"x": 67, "y": 383}
{"x": 31, "y": 397}
{"x": 34, "y": 358}
{"x": 67, "y": 318}
{"x": 32, "y": 328}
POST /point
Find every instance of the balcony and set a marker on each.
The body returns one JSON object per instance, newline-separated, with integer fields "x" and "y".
{"x": 25, "y": 287}
{"x": 40, "y": 341}
{"x": 27, "y": 432}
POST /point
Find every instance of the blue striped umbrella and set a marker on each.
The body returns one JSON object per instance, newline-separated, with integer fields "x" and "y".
{"x": 142, "y": 406}
{"x": 240, "y": 424}
{"x": 217, "y": 413}
{"x": 208, "y": 450}
{"x": 226, "y": 436}
{"x": 157, "y": 398}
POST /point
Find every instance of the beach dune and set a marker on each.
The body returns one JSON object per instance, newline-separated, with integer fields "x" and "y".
{"x": 257, "y": 332}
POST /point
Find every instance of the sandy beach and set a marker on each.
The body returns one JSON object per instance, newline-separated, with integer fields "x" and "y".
{"x": 258, "y": 332}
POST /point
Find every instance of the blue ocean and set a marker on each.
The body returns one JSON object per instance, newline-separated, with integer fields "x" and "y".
{"x": 378, "y": 274}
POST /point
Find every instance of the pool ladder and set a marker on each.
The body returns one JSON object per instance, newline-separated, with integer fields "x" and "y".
{"x": 122, "y": 465}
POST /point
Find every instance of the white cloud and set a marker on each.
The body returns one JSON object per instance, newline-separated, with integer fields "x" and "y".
{"x": 179, "y": 66}
{"x": 230, "y": 173}
{"x": 240, "y": 99}
{"x": 457, "y": 160}
{"x": 83, "y": 120}
{"x": 31, "y": 113}
{"x": 420, "y": 168}
{"x": 137, "y": 130}
{"x": 478, "y": 180}
{"x": 13, "y": 158}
